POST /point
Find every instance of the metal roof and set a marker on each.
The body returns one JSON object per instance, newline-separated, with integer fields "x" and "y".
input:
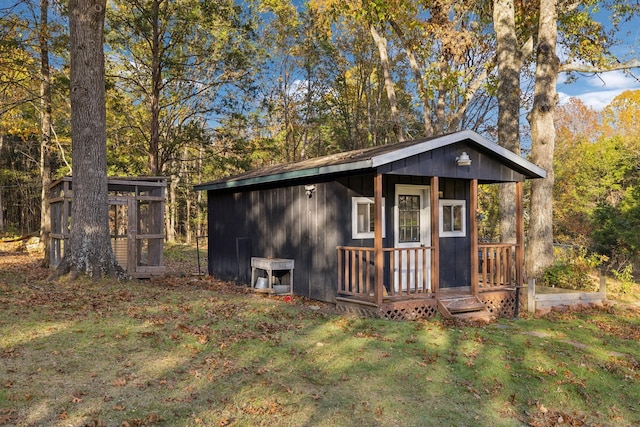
{"x": 370, "y": 158}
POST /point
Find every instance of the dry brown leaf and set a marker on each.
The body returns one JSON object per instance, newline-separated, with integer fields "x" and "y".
{"x": 120, "y": 382}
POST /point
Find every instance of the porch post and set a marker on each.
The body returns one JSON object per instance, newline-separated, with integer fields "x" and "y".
{"x": 377, "y": 241}
{"x": 435, "y": 235}
{"x": 473, "y": 234}
{"x": 519, "y": 233}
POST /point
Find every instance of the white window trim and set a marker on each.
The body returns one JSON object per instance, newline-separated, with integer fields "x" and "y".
{"x": 355, "y": 201}
{"x": 457, "y": 233}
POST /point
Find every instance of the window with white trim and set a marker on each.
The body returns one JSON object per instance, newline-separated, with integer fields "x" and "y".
{"x": 362, "y": 217}
{"x": 452, "y": 218}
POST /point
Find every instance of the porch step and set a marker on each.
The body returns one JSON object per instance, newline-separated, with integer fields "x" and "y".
{"x": 464, "y": 308}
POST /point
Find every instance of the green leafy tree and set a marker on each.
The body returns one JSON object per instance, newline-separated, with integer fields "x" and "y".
{"x": 33, "y": 38}
{"x": 590, "y": 174}
{"x": 174, "y": 66}
{"x": 596, "y": 191}
{"x": 18, "y": 121}
{"x": 622, "y": 115}
{"x": 176, "y": 60}
{"x": 448, "y": 55}
{"x": 587, "y": 47}
{"x": 324, "y": 91}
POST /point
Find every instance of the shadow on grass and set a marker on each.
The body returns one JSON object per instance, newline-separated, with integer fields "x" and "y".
{"x": 190, "y": 351}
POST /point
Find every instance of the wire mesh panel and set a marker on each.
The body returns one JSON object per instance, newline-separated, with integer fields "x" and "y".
{"x": 136, "y": 222}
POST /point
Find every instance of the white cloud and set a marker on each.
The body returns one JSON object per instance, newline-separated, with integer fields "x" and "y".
{"x": 597, "y": 91}
{"x": 612, "y": 80}
{"x": 599, "y": 99}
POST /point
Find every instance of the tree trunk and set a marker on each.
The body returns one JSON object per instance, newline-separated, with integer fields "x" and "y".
{"x": 184, "y": 177}
{"x": 155, "y": 168}
{"x": 89, "y": 251}
{"x": 45, "y": 125}
{"x": 173, "y": 193}
{"x": 187, "y": 224}
{"x": 199, "y": 214}
{"x": 170, "y": 210}
{"x": 1, "y": 214}
{"x": 417, "y": 75}
{"x": 1, "y": 208}
{"x": 381, "y": 44}
{"x": 509, "y": 65}
{"x": 539, "y": 253}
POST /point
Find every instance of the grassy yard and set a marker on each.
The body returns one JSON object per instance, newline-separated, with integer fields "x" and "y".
{"x": 192, "y": 351}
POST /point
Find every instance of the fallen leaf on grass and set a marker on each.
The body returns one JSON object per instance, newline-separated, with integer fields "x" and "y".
{"x": 136, "y": 422}
{"x": 7, "y": 415}
{"x": 120, "y": 382}
{"x": 551, "y": 418}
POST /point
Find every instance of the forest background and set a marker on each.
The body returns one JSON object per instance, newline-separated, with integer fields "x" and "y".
{"x": 198, "y": 90}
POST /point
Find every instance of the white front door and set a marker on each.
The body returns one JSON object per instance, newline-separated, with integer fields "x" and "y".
{"x": 412, "y": 229}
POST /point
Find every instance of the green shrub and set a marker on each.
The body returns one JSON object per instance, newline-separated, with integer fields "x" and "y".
{"x": 625, "y": 276}
{"x": 572, "y": 272}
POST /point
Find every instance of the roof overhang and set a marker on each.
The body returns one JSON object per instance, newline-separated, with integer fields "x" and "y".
{"x": 369, "y": 160}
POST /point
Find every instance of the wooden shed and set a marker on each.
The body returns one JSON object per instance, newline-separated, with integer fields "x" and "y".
{"x": 136, "y": 222}
{"x": 390, "y": 231}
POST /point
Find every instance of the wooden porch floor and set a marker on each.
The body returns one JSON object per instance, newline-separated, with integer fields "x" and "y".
{"x": 442, "y": 293}
{"x": 457, "y": 291}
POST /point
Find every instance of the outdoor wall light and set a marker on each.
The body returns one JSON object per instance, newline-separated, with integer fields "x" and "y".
{"x": 463, "y": 159}
{"x": 309, "y": 189}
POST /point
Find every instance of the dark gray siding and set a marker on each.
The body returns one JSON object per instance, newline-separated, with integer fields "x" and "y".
{"x": 285, "y": 223}
{"x": 265, "y": 223}
{"x": 455, "y": 263}
{"x": 442, "y": 163}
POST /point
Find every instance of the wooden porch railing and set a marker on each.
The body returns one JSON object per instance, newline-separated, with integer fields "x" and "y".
{"x": 356, "y": 272}
{"x": 406, "y": 272}
{"x": 497, "y": 266}
{"x": 409, "y": 271}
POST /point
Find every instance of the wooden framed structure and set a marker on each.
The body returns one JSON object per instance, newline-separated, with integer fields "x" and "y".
{"x": 389, "y": 231}
{"x": 136, "y": 222}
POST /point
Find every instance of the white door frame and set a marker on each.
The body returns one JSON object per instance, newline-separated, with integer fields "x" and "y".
{"x": 424, "y": 236}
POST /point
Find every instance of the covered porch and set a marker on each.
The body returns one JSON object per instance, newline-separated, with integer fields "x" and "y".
{"x": 405, "y": 282}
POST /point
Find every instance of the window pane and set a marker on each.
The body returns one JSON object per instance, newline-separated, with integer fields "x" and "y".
{"x": 415, "y": 203}
{"x": 409, "y": 218}
{"x": 372, "y": 216}
{"x": 452, "y": 218}
{"x": 457, "y": 218}
{"x": 363, "y": 217}
{"x": 446, "y": 218}
{"x": 363, "y": 214}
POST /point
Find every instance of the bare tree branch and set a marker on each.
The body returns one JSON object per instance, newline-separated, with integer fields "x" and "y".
{"x": 586, "y": 68}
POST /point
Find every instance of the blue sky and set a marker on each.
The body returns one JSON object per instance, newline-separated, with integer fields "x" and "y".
{"x": 597, "y": 91}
